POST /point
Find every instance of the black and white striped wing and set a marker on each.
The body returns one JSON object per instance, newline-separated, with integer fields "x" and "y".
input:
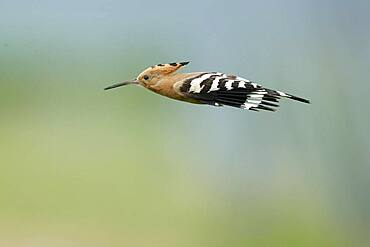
{"x": 219, "y": 89}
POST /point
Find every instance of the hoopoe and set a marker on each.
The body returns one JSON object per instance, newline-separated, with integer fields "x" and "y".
{"x": 212, "y": 88}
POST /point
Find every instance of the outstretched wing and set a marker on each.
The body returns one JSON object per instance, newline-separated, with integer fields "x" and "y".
{"x": 219, "y": 89}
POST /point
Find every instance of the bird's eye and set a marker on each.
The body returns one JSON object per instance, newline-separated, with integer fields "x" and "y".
{"x": 145, "y": 77}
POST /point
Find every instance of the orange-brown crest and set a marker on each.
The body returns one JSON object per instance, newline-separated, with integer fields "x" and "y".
{"x": 162, "y": 69}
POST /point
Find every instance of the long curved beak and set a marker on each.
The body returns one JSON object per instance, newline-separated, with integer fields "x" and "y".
{"x": 120, "y": 84}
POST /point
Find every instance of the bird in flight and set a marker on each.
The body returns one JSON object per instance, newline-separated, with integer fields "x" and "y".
{"x": 212, "y": 88}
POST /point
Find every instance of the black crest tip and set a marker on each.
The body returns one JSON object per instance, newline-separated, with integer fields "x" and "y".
{"x": 184, "y": 63}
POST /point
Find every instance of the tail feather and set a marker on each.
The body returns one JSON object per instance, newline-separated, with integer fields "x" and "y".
{"x": 290, "y": 96}
{"x": 299, "y": 99}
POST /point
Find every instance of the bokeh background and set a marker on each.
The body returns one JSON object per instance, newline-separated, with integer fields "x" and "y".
{"x": 84, "y": 167}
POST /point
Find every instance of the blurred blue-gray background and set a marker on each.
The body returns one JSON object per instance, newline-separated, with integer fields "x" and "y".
{"x": 84, "y": 167}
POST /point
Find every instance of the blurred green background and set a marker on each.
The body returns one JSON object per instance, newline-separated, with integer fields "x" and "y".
{"x": 84, "y": 167}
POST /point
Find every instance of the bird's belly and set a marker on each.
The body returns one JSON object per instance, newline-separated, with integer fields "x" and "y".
{"x": 168, "y": 91}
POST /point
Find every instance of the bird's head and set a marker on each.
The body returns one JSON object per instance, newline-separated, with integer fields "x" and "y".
{"x": 151, "y": 75}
